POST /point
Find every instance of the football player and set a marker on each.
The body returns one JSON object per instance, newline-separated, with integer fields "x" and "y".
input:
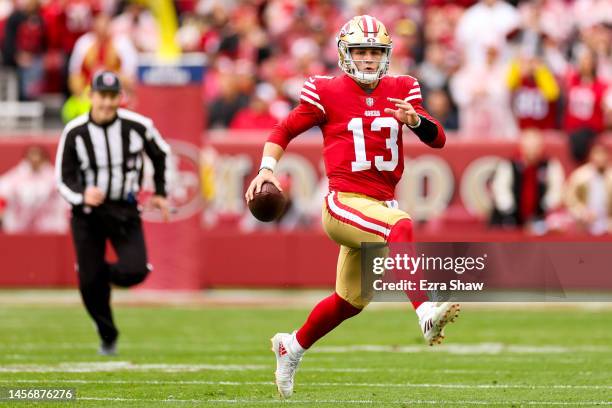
{"x": 361, "y": 115}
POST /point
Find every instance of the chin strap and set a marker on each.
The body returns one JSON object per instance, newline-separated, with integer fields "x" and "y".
{"x": 359, "y": 77}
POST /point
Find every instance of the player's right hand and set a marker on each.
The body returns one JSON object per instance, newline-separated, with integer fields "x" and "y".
{"x": 93, "y": 196}
{"x": 255, "y": 186}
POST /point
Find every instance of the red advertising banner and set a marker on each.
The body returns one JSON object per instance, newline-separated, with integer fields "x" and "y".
{"x": 174, "y": 247}
{"x": 449, "y": 182}
{"x": 212, "y": 240}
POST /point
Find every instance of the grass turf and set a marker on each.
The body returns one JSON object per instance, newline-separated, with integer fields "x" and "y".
{"x": 221, "y": 357}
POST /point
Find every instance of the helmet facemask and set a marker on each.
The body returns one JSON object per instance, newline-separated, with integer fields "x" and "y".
{"x": 349, "y": 66}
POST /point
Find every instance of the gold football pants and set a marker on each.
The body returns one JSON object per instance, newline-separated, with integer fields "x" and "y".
{"x": 350, "y": 219}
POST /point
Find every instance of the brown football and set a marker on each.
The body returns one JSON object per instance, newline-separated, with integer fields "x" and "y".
{"x": 268, "y": 204}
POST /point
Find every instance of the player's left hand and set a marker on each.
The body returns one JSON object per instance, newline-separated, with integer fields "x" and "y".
{"x": 405, "y": 113}
{"x": 161, "y": 203}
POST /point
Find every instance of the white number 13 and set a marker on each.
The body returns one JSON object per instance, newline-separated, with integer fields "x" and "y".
{"x": 361, "y": 163}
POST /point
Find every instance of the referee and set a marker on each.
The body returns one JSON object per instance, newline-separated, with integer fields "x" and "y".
{"x": 99, "y": 171}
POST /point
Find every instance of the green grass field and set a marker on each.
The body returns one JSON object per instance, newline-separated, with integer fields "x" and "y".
{"x": 221, "y": 357}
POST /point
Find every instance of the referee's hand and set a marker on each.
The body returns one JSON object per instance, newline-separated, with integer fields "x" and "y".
{"x": 93, "y": 196}
{"x": 161, "y": 203}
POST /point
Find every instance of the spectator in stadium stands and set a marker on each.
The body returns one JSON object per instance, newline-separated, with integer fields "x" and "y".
{"x": 534, "y": 92}
{"x": 599, "y": 38}
{"x": 231, "y": 99}
{"x": 433, "y": 72}
{"x": 100, "y": 50}
{"x": 589, "y": 13}
{"x": 589, "y": 193}
{"x": 549, "y": 18}
{"x": 29, "y": 199}
{"x": 191, "y": 35}
{"x": 76, "y": 18}
{"x": 407, "y": 46}
{"x": 24, "y": 48}
{"x": 137, "y": 23}
{"x": 65, "y": 21}
{"x": 257, "y": 115}
{"x": 485, "y": 20}
{"x": 438, "y": 103}
{"x": 587, "y": 103}
{"x": 546, "y": 26}
{"x": 527, "y": 188}
{"x": 483, "y": 98}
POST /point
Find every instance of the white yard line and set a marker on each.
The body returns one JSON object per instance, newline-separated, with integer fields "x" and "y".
{"x": 111, "y": 366}
{"x": 356, "y": 402}
{"x": 322, "y": 384}
{"x": 249, "y": 298}
{"x": 349, "y": 370}
{"x": 466, "y": 348}
{"x": 477, "y": 348}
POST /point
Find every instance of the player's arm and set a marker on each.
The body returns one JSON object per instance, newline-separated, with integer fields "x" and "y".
{"x": 67, "y": 166}
{"x": 272, "y": 153}
{"x": 300, "y": 119}
{"x": 159, "y": 152}
{"x": 429, "y": 130}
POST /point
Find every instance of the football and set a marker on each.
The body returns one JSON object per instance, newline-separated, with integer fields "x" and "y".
{"x": 268, "y": 204}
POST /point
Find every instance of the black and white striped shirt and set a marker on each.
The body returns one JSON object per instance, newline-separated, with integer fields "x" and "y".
{"x": 110, "y": 157}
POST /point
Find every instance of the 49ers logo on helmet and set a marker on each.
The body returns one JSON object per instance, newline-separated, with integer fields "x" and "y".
{"x": 344, "y": 29}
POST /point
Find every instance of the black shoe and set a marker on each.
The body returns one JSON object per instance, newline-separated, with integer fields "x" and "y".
{"x": 108, "y": 348}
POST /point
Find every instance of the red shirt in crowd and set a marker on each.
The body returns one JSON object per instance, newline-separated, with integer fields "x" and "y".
{"x": 585, "y": 103}
{"x": 531, "y": 108}
{"x": 251, "y": 119}
{"x": 67, "y": 21}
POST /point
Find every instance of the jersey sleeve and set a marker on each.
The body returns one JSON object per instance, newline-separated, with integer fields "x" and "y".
{"x": 309, "y": 113}
{"x": 158, "y": 151}
{"x": 67, "y": 178}
{"x": 430, "y": 131}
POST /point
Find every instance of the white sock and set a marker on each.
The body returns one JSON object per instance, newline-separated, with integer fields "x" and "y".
{"x": 294, "y": 346}
{"x": 423, "y": 309}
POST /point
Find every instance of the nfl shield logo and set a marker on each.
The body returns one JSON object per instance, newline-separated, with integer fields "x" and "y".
{"x": 108, "y": 79}
{"x": 370, "y": 101}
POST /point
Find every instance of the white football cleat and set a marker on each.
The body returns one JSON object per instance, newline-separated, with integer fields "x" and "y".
{"x": 286, "y": 363}
{"x": 435, "y": 318}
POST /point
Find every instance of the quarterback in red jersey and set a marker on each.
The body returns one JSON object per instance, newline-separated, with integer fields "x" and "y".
{"x": 361, "y": 115}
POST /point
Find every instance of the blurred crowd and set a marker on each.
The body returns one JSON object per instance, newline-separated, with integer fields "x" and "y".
{"x": 488, "y": 69}
{"x": 531, "y": 191}
{"x": 29, "y": 201}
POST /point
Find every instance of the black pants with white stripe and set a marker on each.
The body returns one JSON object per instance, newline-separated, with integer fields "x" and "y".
{"x": 119, "y": 223}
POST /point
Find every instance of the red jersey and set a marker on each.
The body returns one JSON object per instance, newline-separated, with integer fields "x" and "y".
{"x": 530, "y": 106}
{"x": 585, "y": 104}
{"x": 362, "y": 145}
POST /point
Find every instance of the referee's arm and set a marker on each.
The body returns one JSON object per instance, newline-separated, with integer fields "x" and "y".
{"x": 67, "y": 170}
{"x": 159, "y": 152}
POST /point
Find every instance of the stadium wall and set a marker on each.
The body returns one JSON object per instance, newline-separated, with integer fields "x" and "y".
{"x": 204, "y": 246}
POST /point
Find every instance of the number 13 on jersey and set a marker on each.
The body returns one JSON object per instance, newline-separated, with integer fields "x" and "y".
{"x": 361, "y": 163}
